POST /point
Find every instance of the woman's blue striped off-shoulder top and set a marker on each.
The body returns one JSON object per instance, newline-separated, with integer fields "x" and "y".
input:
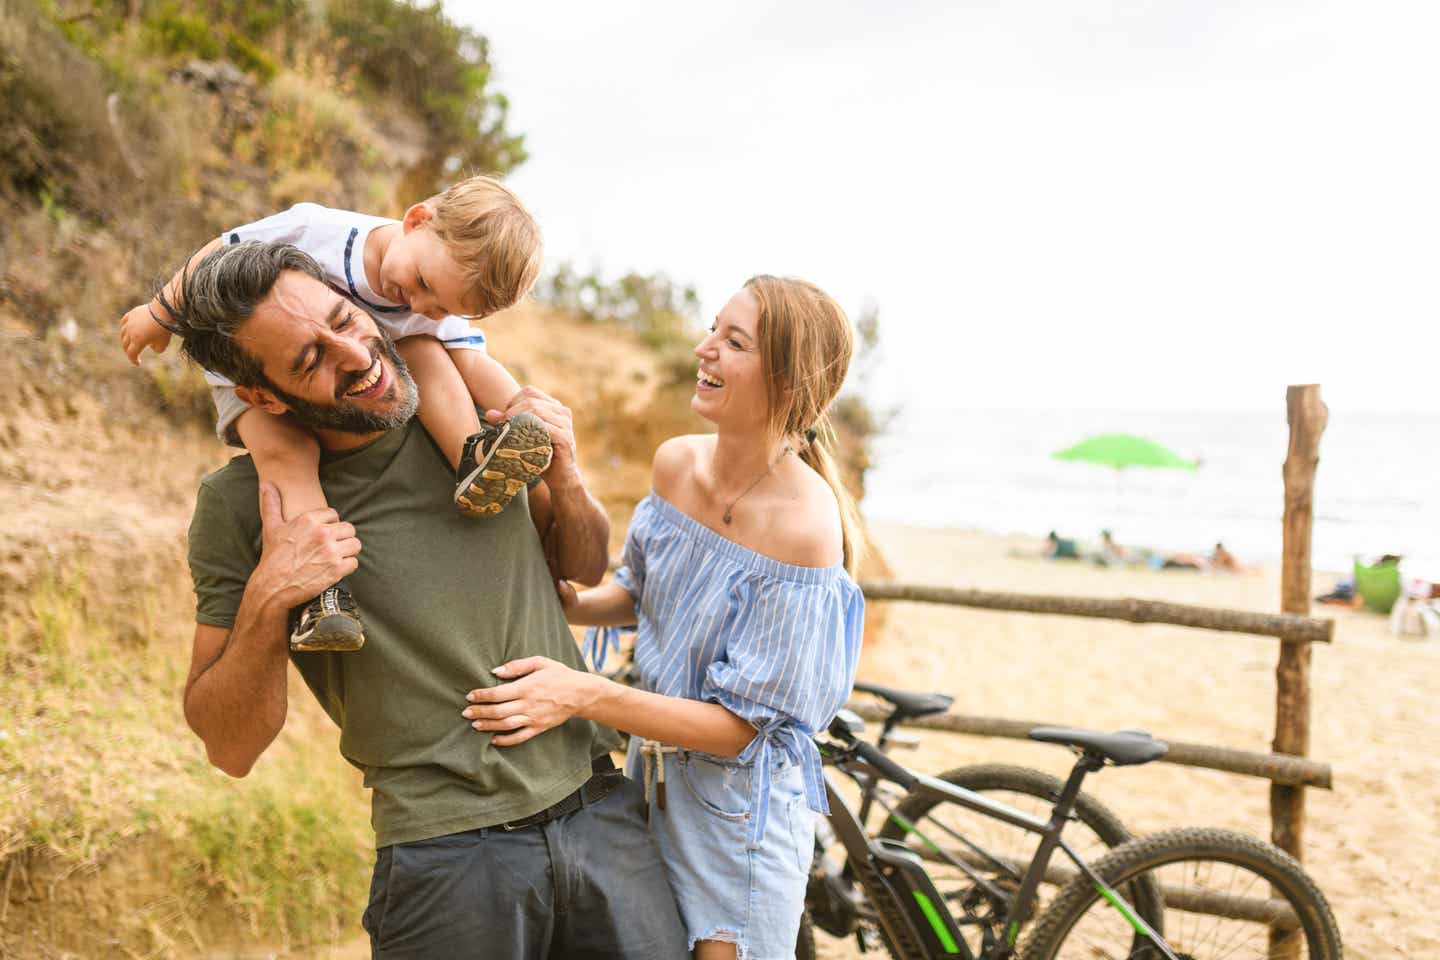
{"x": 774, "y": 643}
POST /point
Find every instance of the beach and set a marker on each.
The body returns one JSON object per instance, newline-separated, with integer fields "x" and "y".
{"x": 1371, "y": 843}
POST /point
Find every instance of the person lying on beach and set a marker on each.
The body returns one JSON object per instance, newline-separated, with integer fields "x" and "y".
{"x": 1060, "y": 548}
{"x": 464, "y": 254}
{"x": 1110, "y": 554}
{"x": 738, "y": 570}
{"x": 1219, "y": 560}
{"x": 1223, "y": 560}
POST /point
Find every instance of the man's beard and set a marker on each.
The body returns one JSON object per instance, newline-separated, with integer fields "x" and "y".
{"x": 345, "y": 416}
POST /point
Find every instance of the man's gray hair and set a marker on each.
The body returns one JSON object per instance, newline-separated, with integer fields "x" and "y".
{"x": 220, "y": 293}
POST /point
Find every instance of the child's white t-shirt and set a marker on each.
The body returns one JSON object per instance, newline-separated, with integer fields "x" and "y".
{"x": 336, "y": 239}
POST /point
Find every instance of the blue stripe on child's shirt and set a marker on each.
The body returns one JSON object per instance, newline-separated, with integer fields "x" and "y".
{"x": 473, "y": 340}
{"x": 350, "y": 279}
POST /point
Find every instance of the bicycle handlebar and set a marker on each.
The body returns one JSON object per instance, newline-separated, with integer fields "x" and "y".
{"x": 887, "y": 768}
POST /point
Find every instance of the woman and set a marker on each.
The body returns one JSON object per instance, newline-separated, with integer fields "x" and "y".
{"x": 737, "y": 569}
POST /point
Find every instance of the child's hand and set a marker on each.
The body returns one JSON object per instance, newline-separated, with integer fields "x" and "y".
{"x": 139, "y": 330}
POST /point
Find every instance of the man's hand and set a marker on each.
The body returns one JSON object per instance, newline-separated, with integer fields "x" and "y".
{"x": 302, "y": 557}
{"x": 139, "y": 330}
{"x": 573, "y": 527}
{"x": 564, "y": 471}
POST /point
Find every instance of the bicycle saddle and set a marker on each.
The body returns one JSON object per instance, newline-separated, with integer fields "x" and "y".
{"x": 1122, "y": 748}
{"x": 909, "y": 704}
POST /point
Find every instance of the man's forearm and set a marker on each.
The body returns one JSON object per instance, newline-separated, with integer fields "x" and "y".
{"x": 238, "y": 702}
{"x": 581, "y": 533}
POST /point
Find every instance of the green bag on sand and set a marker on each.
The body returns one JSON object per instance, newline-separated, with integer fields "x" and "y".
{"x": 1378, "y": 584}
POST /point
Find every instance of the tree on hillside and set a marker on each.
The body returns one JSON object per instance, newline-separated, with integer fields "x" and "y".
{"x": 442, "y": 70}
{"x": 397, "y": 50}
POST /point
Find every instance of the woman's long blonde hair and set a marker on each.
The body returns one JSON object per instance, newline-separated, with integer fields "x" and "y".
{"x": 805, "y": 348}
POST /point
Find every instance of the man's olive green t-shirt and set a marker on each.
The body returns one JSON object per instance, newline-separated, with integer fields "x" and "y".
{"x": 445, "y": 599}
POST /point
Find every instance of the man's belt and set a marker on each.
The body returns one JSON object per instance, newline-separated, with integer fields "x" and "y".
{"x": 604, "y": 779}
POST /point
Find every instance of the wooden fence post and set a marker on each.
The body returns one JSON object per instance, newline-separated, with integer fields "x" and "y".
{"x": 1307, "y": 416}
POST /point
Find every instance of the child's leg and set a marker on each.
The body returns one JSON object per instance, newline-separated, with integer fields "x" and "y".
{"x": 493, "y": 462}
{"x": 286, "y": 455}
{"x": 490, "y": 384}
{"x": 446, "y": 409}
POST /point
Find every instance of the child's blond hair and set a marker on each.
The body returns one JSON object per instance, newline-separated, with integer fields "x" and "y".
{"x": 494, "y": 239}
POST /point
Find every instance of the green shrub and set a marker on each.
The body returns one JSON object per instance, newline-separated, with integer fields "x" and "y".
{"x": 248, "y": 56}
{"x": 184, "y": 33}
{"x": 55, "y": 136}
{"x": 211, "y": 31}
{"x": 417, "y": 55}
{"x": 283, "y": 850}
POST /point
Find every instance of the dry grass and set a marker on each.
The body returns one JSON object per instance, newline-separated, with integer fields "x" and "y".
{"x": 98, "y": 764}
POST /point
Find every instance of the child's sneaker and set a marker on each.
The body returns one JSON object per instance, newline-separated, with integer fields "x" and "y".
{"x": 500, "y": 460}
{"x": 329, "y": 622}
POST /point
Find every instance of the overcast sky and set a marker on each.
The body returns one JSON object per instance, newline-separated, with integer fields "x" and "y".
{"x": 1055, "y": 203}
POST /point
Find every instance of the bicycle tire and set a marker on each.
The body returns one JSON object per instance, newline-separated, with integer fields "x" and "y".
{"x": 1176, "y": 860}
{"x": 1103, "y": 830}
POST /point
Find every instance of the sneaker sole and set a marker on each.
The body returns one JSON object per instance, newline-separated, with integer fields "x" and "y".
{"x": 515, "y": 463}
{"x": 339, "y": 633}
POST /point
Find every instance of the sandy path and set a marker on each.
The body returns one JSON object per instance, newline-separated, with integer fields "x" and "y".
{"x": 1372, "y": 843}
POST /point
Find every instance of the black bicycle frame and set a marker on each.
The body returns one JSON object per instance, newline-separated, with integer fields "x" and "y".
{"x": 910, "y": 912}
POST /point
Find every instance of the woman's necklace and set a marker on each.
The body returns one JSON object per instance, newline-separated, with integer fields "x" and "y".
{"x": 730, "y": 510}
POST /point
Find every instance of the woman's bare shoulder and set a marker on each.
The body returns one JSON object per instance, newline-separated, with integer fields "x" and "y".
{"x": 805, "y": 530}
{"x": 676, "y": 461}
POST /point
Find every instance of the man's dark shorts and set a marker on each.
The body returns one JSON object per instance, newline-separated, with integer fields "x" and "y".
{"x": 588, "y": 884}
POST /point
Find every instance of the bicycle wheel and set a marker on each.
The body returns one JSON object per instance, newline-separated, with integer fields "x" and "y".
{"x": 1226, "y": 896}
{"x": 924, "y": 817}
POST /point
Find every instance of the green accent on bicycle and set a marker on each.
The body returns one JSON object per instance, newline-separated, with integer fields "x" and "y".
{"x": 937, "y": 924}
{"x": 1013, "y": 933}
{"x": 1119, "y": 904}
{"x": 909, "y": 827}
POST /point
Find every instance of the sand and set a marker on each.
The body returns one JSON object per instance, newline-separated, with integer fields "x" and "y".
{"x": 1372, "y": 843}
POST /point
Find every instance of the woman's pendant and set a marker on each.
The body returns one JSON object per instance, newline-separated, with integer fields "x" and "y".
{"x": 727, "y": 518}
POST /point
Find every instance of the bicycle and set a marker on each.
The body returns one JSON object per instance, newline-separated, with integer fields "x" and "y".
{"x": 1151, "y": 898}
{"x": 832, "y": 900}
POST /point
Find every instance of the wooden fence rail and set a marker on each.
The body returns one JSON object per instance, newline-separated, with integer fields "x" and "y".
{"x": 1276, "y": 767}
{"x": 1287, "y": 627}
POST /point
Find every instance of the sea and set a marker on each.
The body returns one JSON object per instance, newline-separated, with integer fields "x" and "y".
{"x": 1377, "y": 487}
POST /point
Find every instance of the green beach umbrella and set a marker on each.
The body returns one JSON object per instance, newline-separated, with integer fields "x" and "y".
{"x": 1121, "y": 450}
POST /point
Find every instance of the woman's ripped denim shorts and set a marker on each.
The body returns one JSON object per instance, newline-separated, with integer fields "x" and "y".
{"x": 725, "y": 891}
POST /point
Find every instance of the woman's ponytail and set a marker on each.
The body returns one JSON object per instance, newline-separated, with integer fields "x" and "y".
{"x": 852, "y": 530}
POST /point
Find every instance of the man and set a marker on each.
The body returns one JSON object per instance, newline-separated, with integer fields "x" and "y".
{"x": 535, "y": 850}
